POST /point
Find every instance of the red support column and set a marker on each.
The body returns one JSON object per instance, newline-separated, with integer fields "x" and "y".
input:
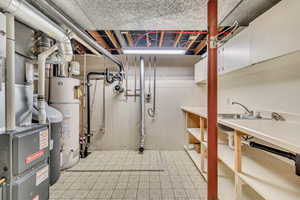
{"x": 212, "y": 19}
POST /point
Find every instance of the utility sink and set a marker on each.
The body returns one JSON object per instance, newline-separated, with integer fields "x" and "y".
{"x": 242, "y": 116}
{"x": 238, "y": 117}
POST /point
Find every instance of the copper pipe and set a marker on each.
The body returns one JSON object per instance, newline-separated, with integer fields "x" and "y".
{"x": 212, "y": 100}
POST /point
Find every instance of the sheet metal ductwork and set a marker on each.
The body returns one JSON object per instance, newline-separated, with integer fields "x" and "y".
{"x": 50, "y": 9}
{"x": 32, "y": 17}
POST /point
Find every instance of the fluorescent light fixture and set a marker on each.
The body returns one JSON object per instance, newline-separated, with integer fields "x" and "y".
{"x": 154, "y": 51}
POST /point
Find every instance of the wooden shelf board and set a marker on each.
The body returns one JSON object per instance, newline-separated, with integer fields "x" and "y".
{"x": 225, "y": 178}
{"x": 195, "y": 132}
{"x": 268, "y": 176}
{"x": 195, "y": 157}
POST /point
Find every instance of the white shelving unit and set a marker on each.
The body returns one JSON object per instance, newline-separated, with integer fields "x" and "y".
{"x": 262, "y": 176}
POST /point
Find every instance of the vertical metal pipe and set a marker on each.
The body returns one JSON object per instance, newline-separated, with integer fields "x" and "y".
{"x": 212, "y": 100}
{"x": 154, "y": 86}
{"x": 142, "y": 104}
{"x": 135, "y": 77}
{"x": 10, "y": 73}
{"x": 103, "y": 128}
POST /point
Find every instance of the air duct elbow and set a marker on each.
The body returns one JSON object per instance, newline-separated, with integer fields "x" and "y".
{"x": 66, "y": 50}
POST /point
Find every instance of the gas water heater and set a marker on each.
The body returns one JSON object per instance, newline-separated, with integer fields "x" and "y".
{"x": 63, "y": 97}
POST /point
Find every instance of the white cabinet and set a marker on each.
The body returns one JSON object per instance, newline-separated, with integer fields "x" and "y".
{"x": 236, "y": 52}
{"x": 201, "y": 70}
{"x": 197, "y": 71}
{"x": 276, "y": 32}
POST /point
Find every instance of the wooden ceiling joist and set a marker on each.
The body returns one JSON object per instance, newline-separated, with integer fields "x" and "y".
{"x": 177, "y": 39}
{"x": 112, "y": 38}
{"x": 148, "y": 40}
{"x": 129, "y": 39}
{"x": 98, "y": 38}
{"x": 201, "y": 46}
{"x": 161, "y": 40}
{"x": 192, "y": 41}
{"x": 203, "y": 43}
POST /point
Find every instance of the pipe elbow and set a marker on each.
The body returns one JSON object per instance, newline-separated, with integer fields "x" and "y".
{"x": 66, "y": 50}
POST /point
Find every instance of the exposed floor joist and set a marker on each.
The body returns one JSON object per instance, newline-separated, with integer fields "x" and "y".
{"x": 129, "y": 39}
{"x": 192, "y": 41}
{"x": 98, "y": 38}
{"x": 148, "y": 40}
{"x": 178, "y": 37}
{"x": 201, "y": 46}
{"x": 161, "y": 40}
{"x": 112, "y": 38}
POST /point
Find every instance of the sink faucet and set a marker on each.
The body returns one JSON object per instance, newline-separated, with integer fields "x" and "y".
{"x": 250, "y": 112}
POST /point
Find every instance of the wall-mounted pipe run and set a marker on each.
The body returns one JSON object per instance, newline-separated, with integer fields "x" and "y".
{"x": 152, "y": 111}
{"x": 88, "y": 113}
{"x": 10, "y": 73}
{"x": 88, "y": 135}
{"x": 142, "y": 104}
{"x": 54, "y": 11}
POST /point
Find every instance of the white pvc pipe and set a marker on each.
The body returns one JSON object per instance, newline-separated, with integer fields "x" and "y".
{"x": 35, "y": 19}
{"x": 10, "y": 73}
{"x": 32, "y": 17}
{"x": 41, "y": 82}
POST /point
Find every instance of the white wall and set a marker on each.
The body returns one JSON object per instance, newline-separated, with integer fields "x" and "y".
{"x": 273, "y": 85}
{"x": 175, "y": 87}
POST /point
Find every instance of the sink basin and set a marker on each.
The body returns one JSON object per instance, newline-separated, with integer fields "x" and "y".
{"x": 241, "y": 116}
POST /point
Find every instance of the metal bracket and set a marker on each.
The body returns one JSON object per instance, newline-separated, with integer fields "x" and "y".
{"x": 213, "y": 42}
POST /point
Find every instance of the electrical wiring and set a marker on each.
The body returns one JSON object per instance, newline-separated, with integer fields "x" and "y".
{"x": 156, "y": 32}
{"x": 234, "y": 26}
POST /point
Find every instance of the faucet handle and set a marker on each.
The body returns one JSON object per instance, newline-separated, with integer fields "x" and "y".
{"x": 276, "y": 116}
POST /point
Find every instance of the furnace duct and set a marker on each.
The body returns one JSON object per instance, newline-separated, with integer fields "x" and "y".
{"x": 29, "y": 15}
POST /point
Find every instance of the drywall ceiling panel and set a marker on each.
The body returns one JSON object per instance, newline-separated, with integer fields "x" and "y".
{"x": 142, "y": 14}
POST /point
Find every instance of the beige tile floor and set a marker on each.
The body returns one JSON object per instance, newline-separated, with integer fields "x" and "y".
{"x": 180, "y": 180}
{"x": 120, "y": 160}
